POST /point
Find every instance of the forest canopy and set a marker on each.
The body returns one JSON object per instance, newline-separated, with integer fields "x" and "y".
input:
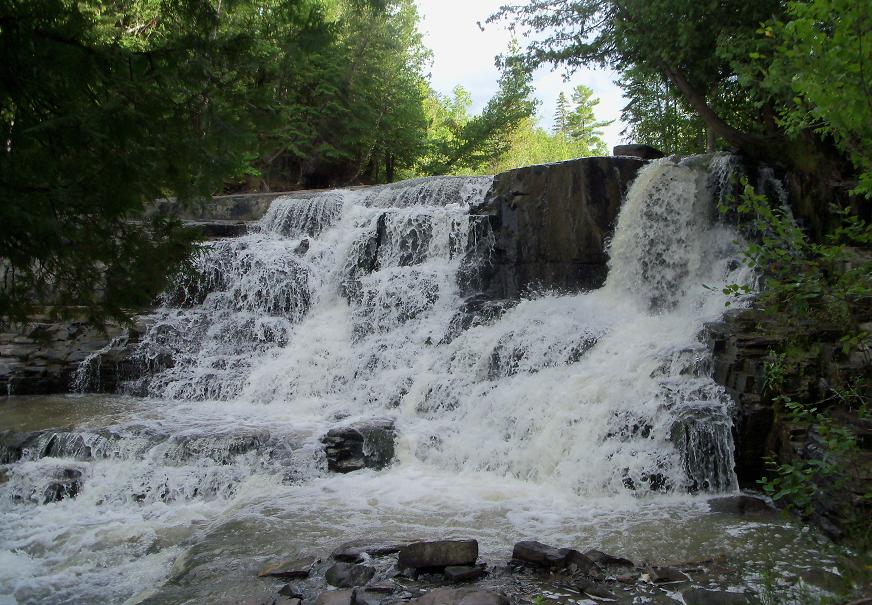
{"x": 105, "y": 106}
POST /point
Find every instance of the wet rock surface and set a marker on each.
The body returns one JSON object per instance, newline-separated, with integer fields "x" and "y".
{"x": 549, "y": 576}
{"x": 551, "y": 223}
{"x": 349, "y": 575}
{"x": 368, "y": 444}
{"x": 291, "y": 568}
{"x": 354, "y": 551}
{"x": 438, "y": 554}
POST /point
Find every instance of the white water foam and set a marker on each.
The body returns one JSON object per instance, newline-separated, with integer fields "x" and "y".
{"x": 344, "y": 306}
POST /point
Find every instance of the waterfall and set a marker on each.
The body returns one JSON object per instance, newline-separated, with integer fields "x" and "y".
{"x": 346, "y": 305}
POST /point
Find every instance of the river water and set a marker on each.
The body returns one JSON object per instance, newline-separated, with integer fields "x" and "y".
{"x": 587, "y": 420}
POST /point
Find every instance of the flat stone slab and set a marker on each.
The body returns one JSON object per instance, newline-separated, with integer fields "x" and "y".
{"x": 292, "y": 568}
{"x": 605, "y": 559}
{"x": 464, "y": 573}
{"x": 666, "y": 575}
{"x": 438, "y": 553}
{"x": 537, "y": 554}
{"x": 353, "y": 552}
{"x": 335, "y": 597}
{"x": 461, "y": 596}
{"x": 349, "y": 575}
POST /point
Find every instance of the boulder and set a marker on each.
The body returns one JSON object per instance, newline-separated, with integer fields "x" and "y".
{"x": 291, "y": 591}
{"x": 349, "y": 575}
{"x": 292, "y": 568}
{"x": 438, "y": 554}
{"x": 461, "y": 596}
{"x": 645, "y": 152}
{"x": 666, "y": 575}
{"x": 353, "y": 552}
{"x": 740, "y": 505}
{"x": 550, "y": 225}
{"x": 367, "y": 444}
{"x": 607, "y": 560}
{"x": 530, "y": 552}
{"x": 700, "y": 596}
{"x": 335, "y": 597}
{"x": 464, "y": 573}
{"x": 596, "y": 590}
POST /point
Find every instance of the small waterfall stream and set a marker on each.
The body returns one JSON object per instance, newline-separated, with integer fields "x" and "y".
{"x": 344, "y": 306}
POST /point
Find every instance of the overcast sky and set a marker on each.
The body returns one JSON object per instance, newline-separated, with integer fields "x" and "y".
{"x": 463, "y": 54}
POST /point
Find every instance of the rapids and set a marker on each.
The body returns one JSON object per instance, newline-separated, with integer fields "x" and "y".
{"x": 584, "y": 419}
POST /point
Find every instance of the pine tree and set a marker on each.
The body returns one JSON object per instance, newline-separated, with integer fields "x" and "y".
{"x": 561, "y": 115}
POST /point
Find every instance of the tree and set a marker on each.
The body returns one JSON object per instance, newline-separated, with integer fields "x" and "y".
{"x": 675, "y": 38}
{"x": 561, "y": 114}
{"x": 103, "y": 108}
{"x": 658, "y": 115}
{"x": 581, "y": 123}
{"x": 462, "y": 143}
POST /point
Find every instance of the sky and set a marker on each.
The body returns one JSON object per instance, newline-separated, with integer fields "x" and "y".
{"x": 463, "y": 54}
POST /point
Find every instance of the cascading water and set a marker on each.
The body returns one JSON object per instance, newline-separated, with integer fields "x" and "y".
{"x": 345, "y": 306}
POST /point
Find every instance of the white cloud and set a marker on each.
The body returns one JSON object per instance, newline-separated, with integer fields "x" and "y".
{"x": 464, "y": 54}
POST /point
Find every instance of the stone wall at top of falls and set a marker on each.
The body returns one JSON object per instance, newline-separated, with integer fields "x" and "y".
{"x": 551, "y": 224}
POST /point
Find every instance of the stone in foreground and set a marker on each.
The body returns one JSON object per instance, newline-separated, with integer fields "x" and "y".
{"x": 666, "y": 575}
{"x": 367, "y": 444}
{"x": 439, "y": 553}
{"x": 461, "y": 596}
{"x": 353, "y": 552}
{"x": 537, "y": 554}
{"x": 293, "y": 568}
{"x": 464, "y": 573}
{"x": 335, "y": 597}
{"x": 607, "y": 560}
{"x": 349, "y": 575}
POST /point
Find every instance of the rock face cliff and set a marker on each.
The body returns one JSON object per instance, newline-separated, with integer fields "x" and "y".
{"x": 764, "y": 430}
{"x": 551, "y": 224}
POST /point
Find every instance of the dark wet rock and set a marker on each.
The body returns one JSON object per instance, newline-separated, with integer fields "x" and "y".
{"x": 666, "y": 575}
{"x": 438, "y": 554}
{"x": 302, "y": 247}
{"x": 335, "y": 597}
{"x": 464, "y": 573}
{"x": 700, "y": 596}
{"x": 461, "y": 596}
{"x": 607, "y": 560}
{"x": 580, "y": 562}
{"x": 68, "y": 484}
{"x": 367, "y": 597}
{"x": 742, "y": 504}
{"x": 550, "y": 225}
{"x": 645, "y": 152}
{"x": 537, "y": 554}
{"x": 596, "y": 590}
{"x": 293, "y": 568}
{"x": 367, "y": 444}
{"x": 353, "y": 552}
{"x": 475, "y": 311}
{"x": 14, "y": 444}
{"x": 349, "y": 575}
{"x": 292, "y": 591}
